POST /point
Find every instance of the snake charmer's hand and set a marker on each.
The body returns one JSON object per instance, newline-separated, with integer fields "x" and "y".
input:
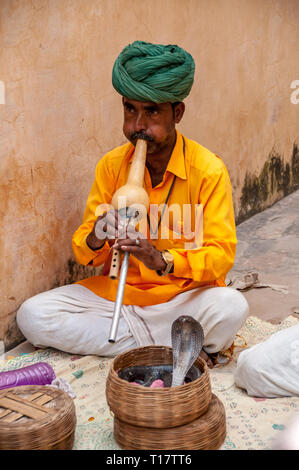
{"x": 108, "y": 226}
{"x": 143, "y": 250}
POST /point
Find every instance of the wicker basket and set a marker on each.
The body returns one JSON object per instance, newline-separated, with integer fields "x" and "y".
{"x": 36, "y": 417}
{"x": 205, "y": 433}
{"x": 156, "y": 407}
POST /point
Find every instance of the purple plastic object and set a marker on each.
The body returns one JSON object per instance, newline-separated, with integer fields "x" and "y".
{"x": 40, "y": 373}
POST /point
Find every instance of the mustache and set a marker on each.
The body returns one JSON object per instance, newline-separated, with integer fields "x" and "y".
{"x": 141, "y": 135}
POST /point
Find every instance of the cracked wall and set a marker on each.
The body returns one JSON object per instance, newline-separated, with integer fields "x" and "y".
{"x": 59, "y": 114}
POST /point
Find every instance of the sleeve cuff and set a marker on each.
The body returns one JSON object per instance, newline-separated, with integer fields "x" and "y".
{"x": 84, "y": 254}
{"x": 92, "y": 254}
{"x": 181, "y": 266}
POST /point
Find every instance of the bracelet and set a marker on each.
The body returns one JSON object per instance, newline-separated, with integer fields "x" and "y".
{"x": 168, "y": 258}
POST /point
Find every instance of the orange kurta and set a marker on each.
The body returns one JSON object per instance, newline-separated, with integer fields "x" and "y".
{"x": 201, "y": 178}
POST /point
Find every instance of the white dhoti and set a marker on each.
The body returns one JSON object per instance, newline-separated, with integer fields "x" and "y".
{"x": 271, "y": 368}
{"x": 74, "y": 319}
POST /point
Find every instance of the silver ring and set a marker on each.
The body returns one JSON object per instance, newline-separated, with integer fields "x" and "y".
{"x": 137, "y": 242}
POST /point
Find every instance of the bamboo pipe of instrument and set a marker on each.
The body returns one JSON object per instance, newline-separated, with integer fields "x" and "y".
{"x": 132, "y": 193}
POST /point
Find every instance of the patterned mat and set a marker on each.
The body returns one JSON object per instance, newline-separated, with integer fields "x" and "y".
{"x": 252, "y": 423}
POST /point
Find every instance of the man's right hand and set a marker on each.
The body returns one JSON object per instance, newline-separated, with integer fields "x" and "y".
{"x": 108, "y": 226}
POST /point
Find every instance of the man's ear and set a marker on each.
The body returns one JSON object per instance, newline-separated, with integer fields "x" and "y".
{"x": 179, "y": 112}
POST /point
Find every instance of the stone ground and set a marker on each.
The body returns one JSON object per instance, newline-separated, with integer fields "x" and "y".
{"x": 268, "y": 243}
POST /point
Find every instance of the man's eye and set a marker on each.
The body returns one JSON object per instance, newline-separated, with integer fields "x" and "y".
{"x": 152, "y": 112}
{"x": 129, "y": 109}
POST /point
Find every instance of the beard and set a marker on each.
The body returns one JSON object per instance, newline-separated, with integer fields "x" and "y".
{"x": 153, "y": 146}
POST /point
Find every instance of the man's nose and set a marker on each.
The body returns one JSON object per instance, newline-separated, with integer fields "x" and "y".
{"x": 140, "y": 124}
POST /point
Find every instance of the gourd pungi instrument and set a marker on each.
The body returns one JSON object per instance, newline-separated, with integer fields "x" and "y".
{"x": 128, "y": 200}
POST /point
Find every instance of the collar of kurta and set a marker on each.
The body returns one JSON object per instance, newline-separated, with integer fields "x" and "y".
{"x": 176, "y": 164}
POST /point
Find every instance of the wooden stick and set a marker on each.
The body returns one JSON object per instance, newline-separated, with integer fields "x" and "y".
{"x": 115, "y": 263}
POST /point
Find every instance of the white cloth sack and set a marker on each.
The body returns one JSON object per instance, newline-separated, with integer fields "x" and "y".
{"x": 271, "y": 368}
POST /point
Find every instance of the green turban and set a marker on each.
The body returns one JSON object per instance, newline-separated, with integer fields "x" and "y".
{"x": 153, "y": 72}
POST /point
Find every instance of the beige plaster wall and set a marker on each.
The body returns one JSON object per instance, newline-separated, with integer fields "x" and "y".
{"x": 59, "y": 114}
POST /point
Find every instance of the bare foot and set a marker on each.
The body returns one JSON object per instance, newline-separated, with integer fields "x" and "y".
{"x": 205, "y": 356}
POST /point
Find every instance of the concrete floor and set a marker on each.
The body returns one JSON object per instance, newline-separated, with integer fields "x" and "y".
{"x": 268, "y": 243}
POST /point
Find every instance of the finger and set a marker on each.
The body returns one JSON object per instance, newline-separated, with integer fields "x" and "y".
{"x": 111, "y": 233}
{"x": 112, "y": 218}
{"x": 100, "y": 229}
{"x": 126, "y": 230}
{"x": 131, "y": 229}
{"x": 130, "y": 232}
{"x": 133, "y": 249}
{"x": 113, "y": 224}
{"x": 127, "y": 242}
{"x": 122, "y": 235}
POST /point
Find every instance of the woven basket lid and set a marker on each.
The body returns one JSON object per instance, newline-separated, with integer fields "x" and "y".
{"x": 36, "y": 417}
